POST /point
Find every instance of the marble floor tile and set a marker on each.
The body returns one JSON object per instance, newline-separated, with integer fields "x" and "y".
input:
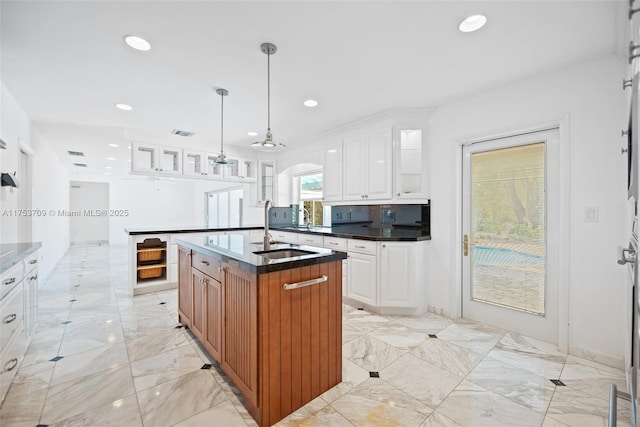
{"x": 371, "y": 353}
{"x": 165, "y": 366}
{"x": 436, "y": 419}
{"x": 472, "y": 405}
{"x": 84, "y": 340}
{"x": 547, "y": 366}
{"x": 352, "y": 376}
{"x": 179, "y": 399}
{"x": 399, "y": 335}
{"x": 308, "y": 411}
{"x": 80, "y": 365}
{"x": 429, "y": 323}
{"x": 376, "y": 403}
{"x": 22, "y": 410}
{"x": 119, "y": 413}
{"x": 83, "y": 394}
{"x": 32, "y": 378}
{"x": 575, "y": 408}
{"x": 222, "y": 414}
{"x": 349, "y": 333}
{"x": 448, "y": 356}
{"x": 478, "y": 342}
{"x": 517, "y": 342}
{"x": 421, "y": 380}
{"x": 155, "y": 343}
{"x": 518, "y": 385}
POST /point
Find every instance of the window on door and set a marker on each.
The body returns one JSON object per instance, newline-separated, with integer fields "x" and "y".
{"x": 311, "y": 199}
{"x": 224, "y": 208}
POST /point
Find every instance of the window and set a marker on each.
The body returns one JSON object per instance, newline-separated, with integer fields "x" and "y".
{"x": 223, "y": 208}
{"x": 311, "y": 199}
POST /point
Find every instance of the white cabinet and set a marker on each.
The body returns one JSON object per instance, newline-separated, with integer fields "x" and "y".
{"x": 411, "y": 175}
{"x": 332, "y": 173}
{"x": 362, "y": 278}
{"x": 240, "y": 169}
{"x": 30, "y": 295}
{"x": 284, "y": 236}
{"x": 397, "y": 274}
{"x": 201, "y": 164}
{"x": 368, "y": 164}
{"x": 266, "y": 181}
{"x": 339, "y": 244}
{"x": 155, "y": 158}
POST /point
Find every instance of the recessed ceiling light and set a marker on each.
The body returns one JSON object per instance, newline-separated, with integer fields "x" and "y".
{"x": 252, "y": 133}
{"x": 472, "y": 23}
{"x": 137, "y": 43}
{"x": 310, "y": 103}
{"x": 124, "y": 107}
{"x": 114, "y": 145}
{"x": 108, "y": 167}
{"x": 107, "y": 173}
{"x": 110, "y": 158}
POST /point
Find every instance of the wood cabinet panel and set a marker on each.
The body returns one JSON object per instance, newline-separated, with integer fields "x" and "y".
{"x": 213, "y": 314}
{"x": 185, "y": 300}
{"x": 208, "y": 265}
{"x": 198, "y": 295}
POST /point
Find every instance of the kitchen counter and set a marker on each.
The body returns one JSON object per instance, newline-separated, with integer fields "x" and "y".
{"x": 13, "y": 253}
{"x": 240, "y": 248}
{"x": 363, "y": 232}
{"x": 183, "y": 229}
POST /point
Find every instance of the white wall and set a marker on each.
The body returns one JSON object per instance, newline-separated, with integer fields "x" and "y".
{"x": 590, "y": 94}
{"x": 51, "y": 193}
{"x": 50, "y": 185}
{"x": 90, "y": 200}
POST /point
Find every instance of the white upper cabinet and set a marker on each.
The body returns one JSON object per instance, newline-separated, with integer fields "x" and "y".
{"x": 156, "y": 158}
{"x": 332, "y": 173}
{"x": 266, "y": 181}
{"x": 201, "y": 164}
{"x": 241, "y": 169}
{"x": 212, "y": 169}
{"x": 367, "y": 165}
{"x": 411, "y": 175}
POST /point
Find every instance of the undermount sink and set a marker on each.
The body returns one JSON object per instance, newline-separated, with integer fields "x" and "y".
{"x": 283, "y": 253}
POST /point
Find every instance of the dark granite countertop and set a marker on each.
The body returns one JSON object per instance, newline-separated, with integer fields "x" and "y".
{"x": 180, "y": 230}
{"x": 238, "y": 247}
{"x": 13, "y": 253}
{"x": 348, "y": 231}
{"x": 363, "y": 232}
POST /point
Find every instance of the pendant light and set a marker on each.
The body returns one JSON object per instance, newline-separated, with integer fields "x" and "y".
{"x": 268, "y": 144}
{"x": 221, "y": 159}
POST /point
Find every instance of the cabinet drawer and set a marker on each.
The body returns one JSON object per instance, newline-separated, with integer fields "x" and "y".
{"x": 362, "y": 246}
{"x": 284, "y": 237}
{"x": 208, "y": 265}
{"x": 10, "y": 279}
{"x": 30, "y": 262}
{"x": 310, "y": 239}
{"x": 10, "y": 359}
{"x": 11, "y": 314}
{"x": 335, "y": 243}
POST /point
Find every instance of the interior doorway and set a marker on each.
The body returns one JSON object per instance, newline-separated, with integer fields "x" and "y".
{"x": 89, "y": 213}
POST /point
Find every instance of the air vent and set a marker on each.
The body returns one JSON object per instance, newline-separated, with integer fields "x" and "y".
{"x": 80, "y": 165}
{"x": 181, "y": 132}
{"x": 75, "y": 186}
{"x": 76, "y": 153}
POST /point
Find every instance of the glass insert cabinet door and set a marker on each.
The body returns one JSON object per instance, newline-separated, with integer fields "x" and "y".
{"x": 154, "y": 158}
{"x": 510, "y": 210}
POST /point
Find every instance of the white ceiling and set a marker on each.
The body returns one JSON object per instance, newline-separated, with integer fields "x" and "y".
{"x": 67, "y": 65}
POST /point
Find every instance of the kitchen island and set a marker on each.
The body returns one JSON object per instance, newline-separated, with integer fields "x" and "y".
{"x": 272, "y": 319}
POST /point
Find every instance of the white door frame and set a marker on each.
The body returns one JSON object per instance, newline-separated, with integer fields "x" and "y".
{"x": 562, "y": 124}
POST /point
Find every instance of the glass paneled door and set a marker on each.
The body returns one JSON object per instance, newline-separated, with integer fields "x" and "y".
{"x": 510, "y": 218}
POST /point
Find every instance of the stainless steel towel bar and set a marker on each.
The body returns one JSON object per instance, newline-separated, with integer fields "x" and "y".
{"x": 289, "y": 286}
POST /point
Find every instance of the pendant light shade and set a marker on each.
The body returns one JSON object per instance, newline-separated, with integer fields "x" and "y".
{"x": 221, "y": 159}
{"x": 268, "y": 144}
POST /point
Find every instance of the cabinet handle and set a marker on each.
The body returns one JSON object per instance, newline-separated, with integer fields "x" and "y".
{"x": 221, "y": 269}
{"x": 333, "y": 243}
{"x": 9, "y": 281}
{"x": 384, "y": 246}
{"x": 10, "y": 318}
{"x": 359, "y": 247}
{"x": 33, "y": 261}
{"x": 204, "y": 262}
{"x": 10, "y": 365}
{"x": 33, "y": 277}
{"x": 398, "y": 194}
{"x": 289, "y": 286}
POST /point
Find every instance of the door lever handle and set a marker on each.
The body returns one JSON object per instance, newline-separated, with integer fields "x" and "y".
{"x": 465, "y": 245}
{"x": 626, "y": 255}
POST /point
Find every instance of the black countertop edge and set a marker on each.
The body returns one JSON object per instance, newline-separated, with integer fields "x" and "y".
{"x": 16, "y": 253}
{"x": 186, "y": 229}
{"x": 278, "y": 265}
{"x": 397, "y": 236}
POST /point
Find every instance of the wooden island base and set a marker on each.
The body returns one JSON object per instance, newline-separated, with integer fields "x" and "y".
{"x": 281, "y": 347}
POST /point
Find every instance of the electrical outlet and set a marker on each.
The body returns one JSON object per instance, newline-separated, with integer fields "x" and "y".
{"x": 592, "y": 214}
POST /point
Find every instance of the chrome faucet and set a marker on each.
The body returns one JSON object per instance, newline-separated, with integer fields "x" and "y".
{"x": 306, "y": 222}
{"x": 267, "y": 237}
